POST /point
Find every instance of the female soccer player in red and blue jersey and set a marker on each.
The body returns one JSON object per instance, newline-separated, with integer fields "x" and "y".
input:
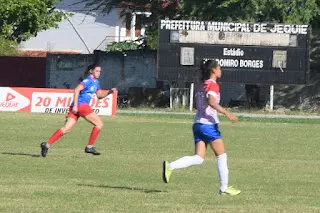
{"x": 206, "y": 130}
{"x": 83, "y": 93}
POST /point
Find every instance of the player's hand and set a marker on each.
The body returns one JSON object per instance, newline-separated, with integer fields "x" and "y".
{"x": 232, "y": 117}
{"x": 75, "y": 109}
{"x": 112, "y": 91}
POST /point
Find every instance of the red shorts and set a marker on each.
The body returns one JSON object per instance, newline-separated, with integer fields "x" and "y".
{"x": 83, "y": 110}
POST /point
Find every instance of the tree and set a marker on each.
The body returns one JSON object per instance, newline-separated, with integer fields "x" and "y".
{"x": 122, "y": 46}
{"x": 280, "y": 11}
{"x": 22, "y": 19}
{"x": 8, "y": 48}
{"x": 316, "y": 19}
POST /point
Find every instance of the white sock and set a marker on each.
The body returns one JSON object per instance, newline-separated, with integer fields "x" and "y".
{"x": 186, "y": 161}
{"x": 89, "y": 146}
{"x": 223, "y": 171}
{"x": 47, "y": 145}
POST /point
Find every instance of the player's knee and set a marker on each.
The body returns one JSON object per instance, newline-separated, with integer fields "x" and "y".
{"x": 199, "y": 159}
{"x": 99, "y": 125}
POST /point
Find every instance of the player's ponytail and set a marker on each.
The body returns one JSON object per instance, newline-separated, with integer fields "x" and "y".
{"x": 206, "y": 68}
{"x": 87, "y": 72}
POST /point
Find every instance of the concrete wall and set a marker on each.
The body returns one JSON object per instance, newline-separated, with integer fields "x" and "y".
{"x": 135, "y": 69}
{"x": 63, "y": 71}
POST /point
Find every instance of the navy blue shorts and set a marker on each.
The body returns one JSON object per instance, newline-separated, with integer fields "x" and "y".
{"x": 205, "y": 132}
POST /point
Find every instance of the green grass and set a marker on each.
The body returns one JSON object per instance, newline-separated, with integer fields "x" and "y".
{"x": 189, "y": 117}
{"x": 275, "y": 164}
{"x": 282, "y": 111}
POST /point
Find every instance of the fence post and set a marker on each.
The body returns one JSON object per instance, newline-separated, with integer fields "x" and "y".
{"x": 271, "y": 97}
{"x": 171, "y": 98}
{"x": 191, "y": 96}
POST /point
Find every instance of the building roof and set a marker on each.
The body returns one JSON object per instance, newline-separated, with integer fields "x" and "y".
{"x": 43, "y": 53}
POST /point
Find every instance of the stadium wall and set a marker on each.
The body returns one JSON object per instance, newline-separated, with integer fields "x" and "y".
{"x": 134, "y": 69}
{"x": 138, "y": 69}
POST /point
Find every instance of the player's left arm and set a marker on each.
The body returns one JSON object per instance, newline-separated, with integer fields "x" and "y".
{"x": 102, "y": 94}
{"x": 212, "y": 94}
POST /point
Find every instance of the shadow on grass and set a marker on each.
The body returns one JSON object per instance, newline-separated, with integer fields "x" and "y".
{"x": 20, "y": 154}
{"x": 123, "y": 188}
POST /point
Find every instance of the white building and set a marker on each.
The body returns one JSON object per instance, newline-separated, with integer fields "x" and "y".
{"x": 85, "y": 31}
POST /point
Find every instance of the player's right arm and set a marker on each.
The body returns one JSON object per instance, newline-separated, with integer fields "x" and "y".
{"x": 76, "y": 94}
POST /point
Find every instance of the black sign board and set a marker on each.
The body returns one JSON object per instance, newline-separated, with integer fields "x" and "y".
{"x": 254, "y": 53}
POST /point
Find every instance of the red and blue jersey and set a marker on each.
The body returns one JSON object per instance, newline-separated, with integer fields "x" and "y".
{"x": 91, "y": 86}
{"x": 205, "y": 113}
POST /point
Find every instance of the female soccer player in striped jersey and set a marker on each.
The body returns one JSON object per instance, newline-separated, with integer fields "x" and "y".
{"x": 80, "y": 108}
{"x": 205, "y": 129}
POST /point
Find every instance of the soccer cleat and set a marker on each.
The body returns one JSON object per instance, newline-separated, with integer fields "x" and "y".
{"x": 44, "y": 149}
{"x": 91, "y": 151}
{"x": 231, "y": 191}
{"x": 166, "y": 172}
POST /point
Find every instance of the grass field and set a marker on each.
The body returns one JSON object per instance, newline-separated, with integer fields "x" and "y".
{"x": 276, "y": 164}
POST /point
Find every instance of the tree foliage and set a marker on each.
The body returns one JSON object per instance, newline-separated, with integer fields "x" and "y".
{"x": 22, "y": 19}
{"x": 122, "y": 46}
{"x": 280, "y": 11}
{"x": 8, "y": 48}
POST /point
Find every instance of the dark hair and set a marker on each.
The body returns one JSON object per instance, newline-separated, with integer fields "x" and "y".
{"x": 206, "y": 68}
{"x": 87, "y": 72}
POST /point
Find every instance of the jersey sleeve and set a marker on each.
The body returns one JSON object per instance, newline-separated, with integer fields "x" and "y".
{"x": 98, "y": 86}
{"x": 213, "y": 89}
{"x": 85, "y": 83}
